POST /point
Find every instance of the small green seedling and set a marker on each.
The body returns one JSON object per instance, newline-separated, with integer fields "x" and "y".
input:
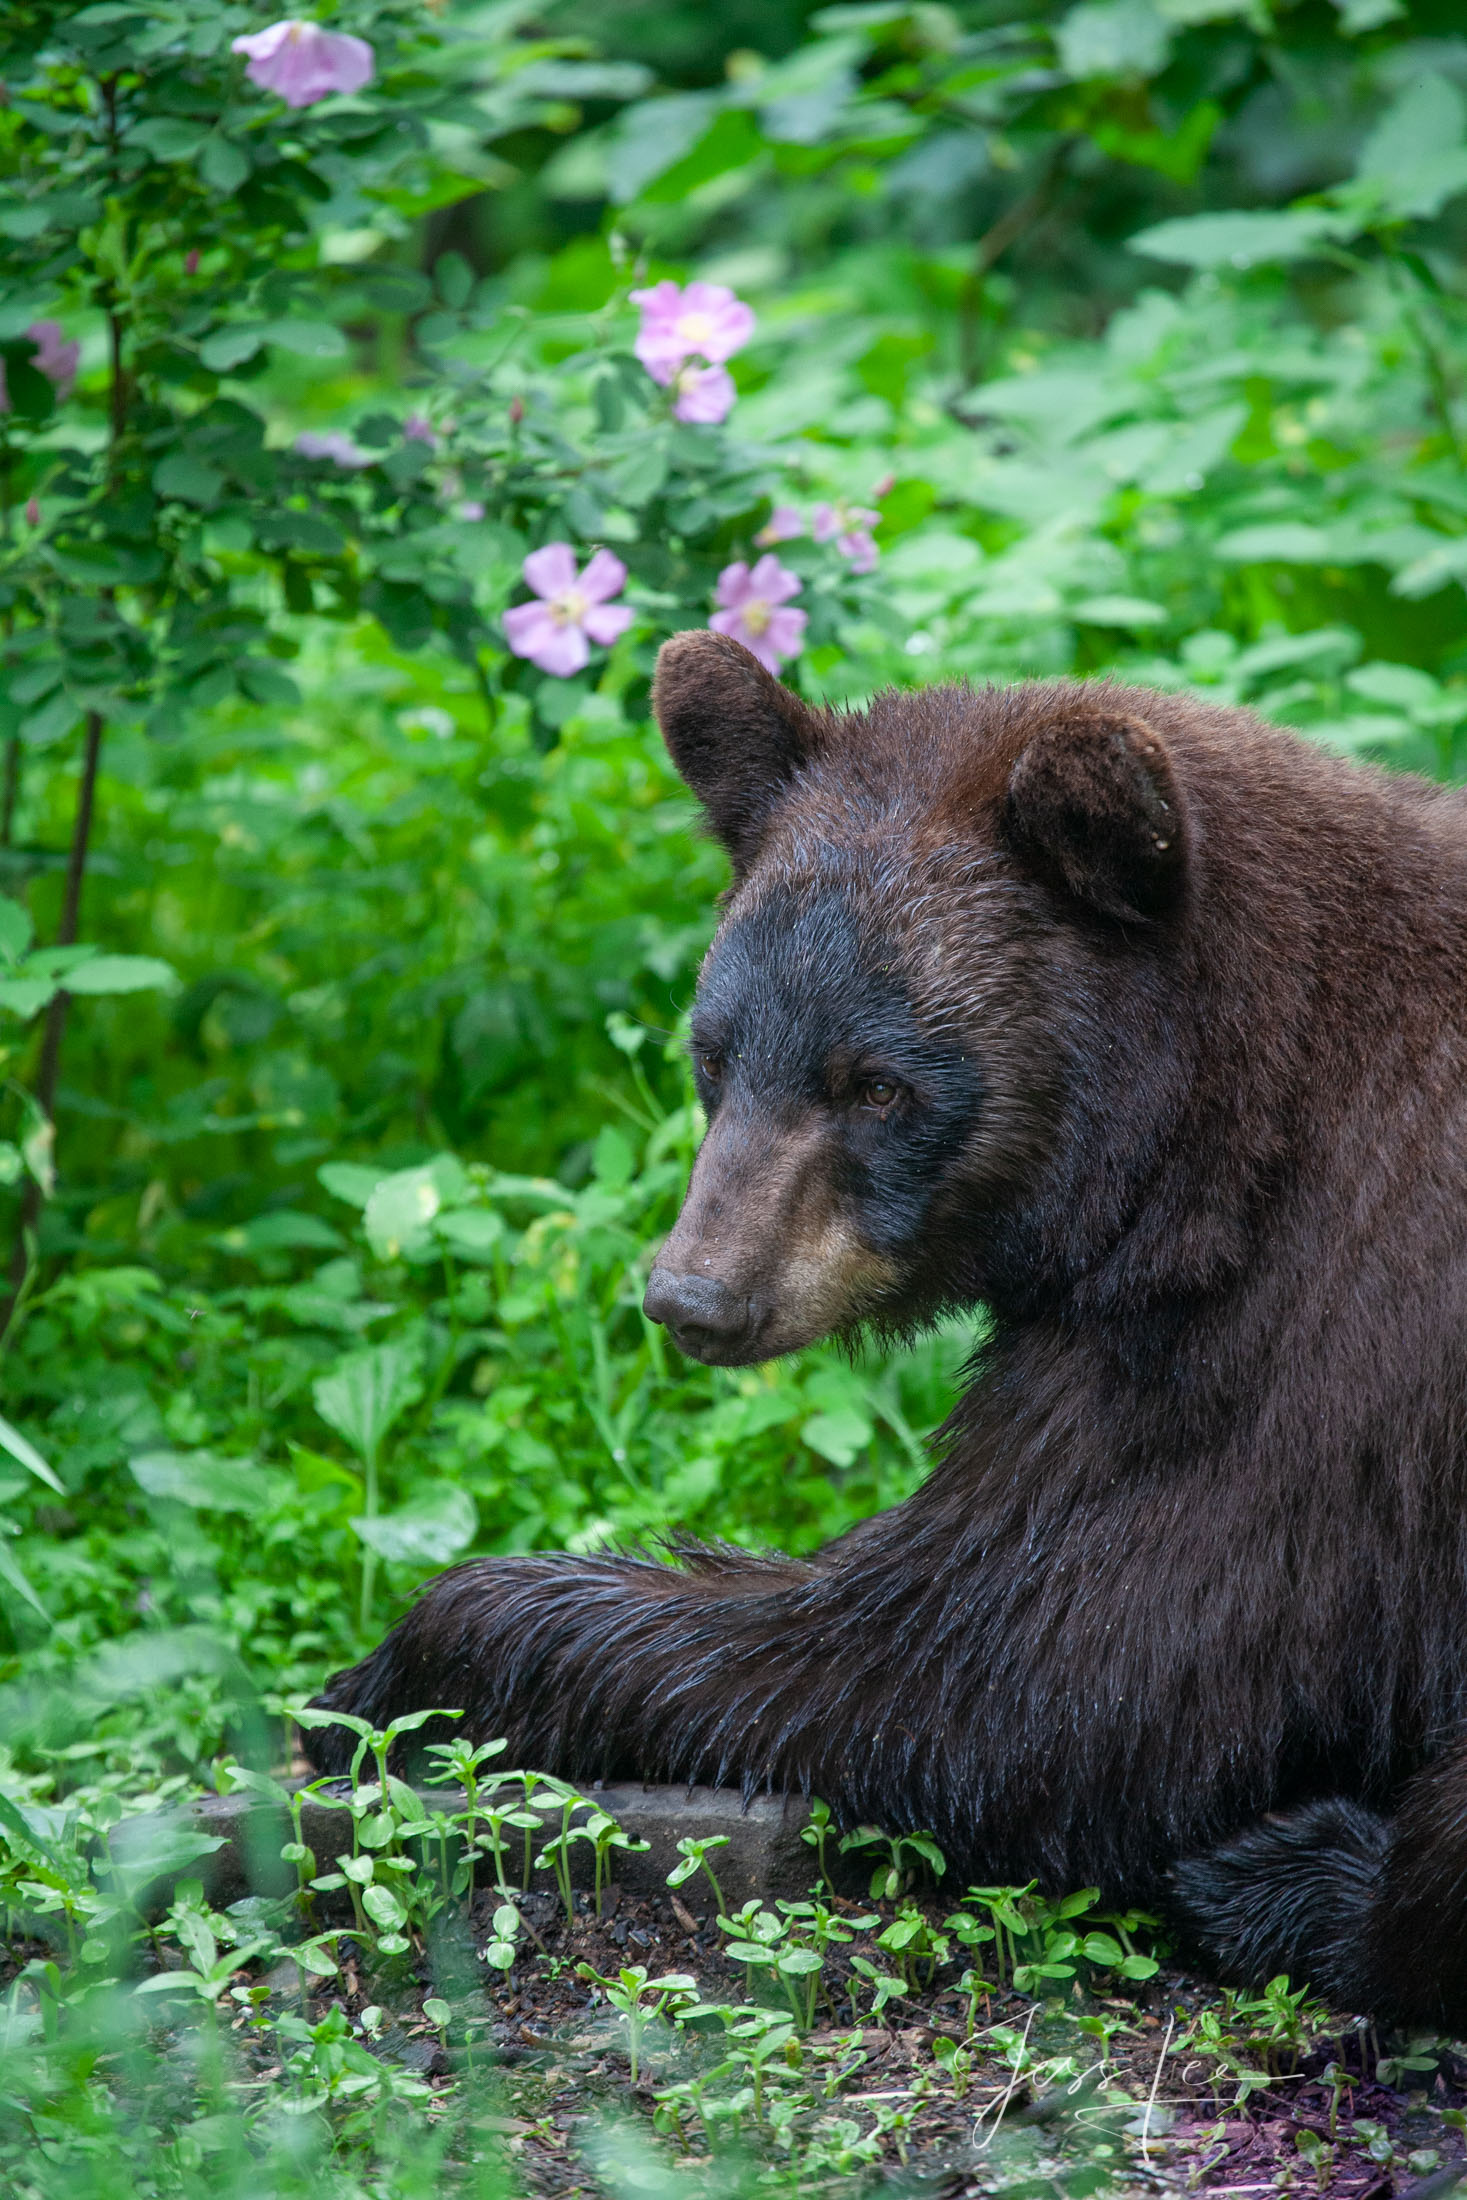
{"x": 640, "y": 2000}
{"x": 907, "y": 1854}
{"x": 502, "y": 1946}
{"x": 694, "y": 1856}
{"x": 817, "y": 1835}
{"x": 955, "y": 2062}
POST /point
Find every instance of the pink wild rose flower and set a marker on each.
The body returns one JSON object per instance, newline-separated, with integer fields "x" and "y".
{"x": 55, "y": 359}
{"x": 705, "y": 395}
{"x": 570, "y": 610}
{"x": 849, "y": 525}
{"x": 332, "y": 444}
{"x": 704, "y": 321}
{"x": 783, "y": 525}
{"x": 303, "y": 63}
{"x": 753, "y": 609}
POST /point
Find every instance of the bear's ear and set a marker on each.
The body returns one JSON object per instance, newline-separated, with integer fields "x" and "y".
{"x": 737, "y": 737}
{"x": 1093, "y": 806}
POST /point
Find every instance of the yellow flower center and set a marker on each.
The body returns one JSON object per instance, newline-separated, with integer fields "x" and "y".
{"x": 695, "y": 330}
{"x": 569, "y": 608}
{"x": 757, "y": 615}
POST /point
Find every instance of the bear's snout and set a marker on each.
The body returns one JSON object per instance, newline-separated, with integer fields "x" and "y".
{"x": 706, "y": 1319}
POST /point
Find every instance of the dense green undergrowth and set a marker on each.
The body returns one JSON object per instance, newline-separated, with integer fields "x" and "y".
{"x": 1139, "y": 330}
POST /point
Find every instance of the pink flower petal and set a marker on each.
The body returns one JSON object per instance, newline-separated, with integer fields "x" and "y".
{"x": 729, "y": 622}
{"x": 706, "y": 396}
{"x": 826, "y": 523}
{"x": 773, "y": 581}
{"x": 785, "y": 632}
{"x": 733, "y": 590}
{"x": 605, "y": 621}
{"x": 304, "y": 63}
{"x": 604, "y": 575}
{"x": 533, "y": 632}
{"x": 551, "y": 571}
{"x": 783, "y": 525}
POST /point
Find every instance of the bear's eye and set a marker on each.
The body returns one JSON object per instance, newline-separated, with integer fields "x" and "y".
{"x": 711, "y": 1065}
{"x": 878, "y": 1093}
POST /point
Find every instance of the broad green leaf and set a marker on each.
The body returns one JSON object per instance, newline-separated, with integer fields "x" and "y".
{"x": 203, "y": 1481}
{"x": 402, "y": 1207}
{"x": 650, "y": 136}
{"x": 12, "y": 1572}
{"x": 1113, "y": 38}
{"x": 25, "y": 1454}
{"x": 473, "y": 1233}
{"x": 1415, "y": 154}
{"x": 15, "y": 929}
{"x": 307, "y": 339}
{"x": 1243, "y": 240}
{"x": 367, "y": 1394}
{"x": 353, "y": 1181}
{"x": 230, "y": 347}
{"x": 431, "y": 1531}
{"x": 120, "y": 974}
{"x": 383, "y": 1908}
{"x": 839, "y": 1436}
{"x": 223, "y": 165}
{"x": 187, "y": 478}
{"x": 24, "y": 996}
{"x": 168, "y": 138}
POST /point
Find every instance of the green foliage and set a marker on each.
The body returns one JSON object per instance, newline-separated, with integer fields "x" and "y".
{"x": 344, "y": 953}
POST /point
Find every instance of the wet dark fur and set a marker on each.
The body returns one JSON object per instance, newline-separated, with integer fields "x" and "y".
{"x": 1195, "y": 1551}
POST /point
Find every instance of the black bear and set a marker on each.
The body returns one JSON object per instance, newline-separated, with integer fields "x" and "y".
{"x": 1144, "y": 1025}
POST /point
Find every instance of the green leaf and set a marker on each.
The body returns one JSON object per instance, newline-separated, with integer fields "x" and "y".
{"x": 203, "y": 1481}
{"x": 402, "y": 1207}
{"x": 12, "y": 1572}
{"x": 25, "y": 1454}
{"x": 367, "y": 1394}
{"x": 168, "y": 138}
{"x": 120, "y": 974}
{"x": 648, "y": 137}
{"x": 839, "y": 1436}
{"x": 1243, "y": 240}
{"x": 433, "y": 1530}
{"x": 473, "y": 1233}
{"x": 307, "y": 339}
{"x": 24, "y": 996}
{"x": 188, "y": 479}
{"x": 352, "y": 1181}
{"x": 383, "y": 1908}
{"x": 1113, "y": 38}
{"x": 15, "y": 929}
{"x": 230, "y": 347}
{"x": 223, "y": 165}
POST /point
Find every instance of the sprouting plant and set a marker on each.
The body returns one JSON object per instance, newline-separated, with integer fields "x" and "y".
{"x": 604, "y": 1834}
{"x": 640, "y": 2000}
{"x": 975, "y": 1986}
{"x": 502, "y": 1945}
{"x": 907, "y": 1854}
{"x": 1338, "y": 2081}
{"x": 955, "y": 2062}
{"x": 1317, "y": 2152}
{"x": 913, "y": 1945}
{"x": 788, "y": 1943}
{"x": 1116, "y": 1950}
{"x": 694, "y": 1856}
{"x": 494, "y": 1821}
{"x": 555, "y": 1855}
{"x": 817, "y": 1835}
{"x": 884, "y": 1987}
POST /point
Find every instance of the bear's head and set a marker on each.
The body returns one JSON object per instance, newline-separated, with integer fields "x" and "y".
{"x": 948, "y": 913}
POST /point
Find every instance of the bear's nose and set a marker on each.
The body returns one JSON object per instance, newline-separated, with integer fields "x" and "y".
{"x": 705, "y": 1317}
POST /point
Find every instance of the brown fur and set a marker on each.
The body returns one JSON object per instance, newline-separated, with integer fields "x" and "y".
{"x": 1195, "y": 1550}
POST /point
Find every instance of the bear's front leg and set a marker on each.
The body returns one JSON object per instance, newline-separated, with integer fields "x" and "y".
{"x": 605, "y": 1667}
